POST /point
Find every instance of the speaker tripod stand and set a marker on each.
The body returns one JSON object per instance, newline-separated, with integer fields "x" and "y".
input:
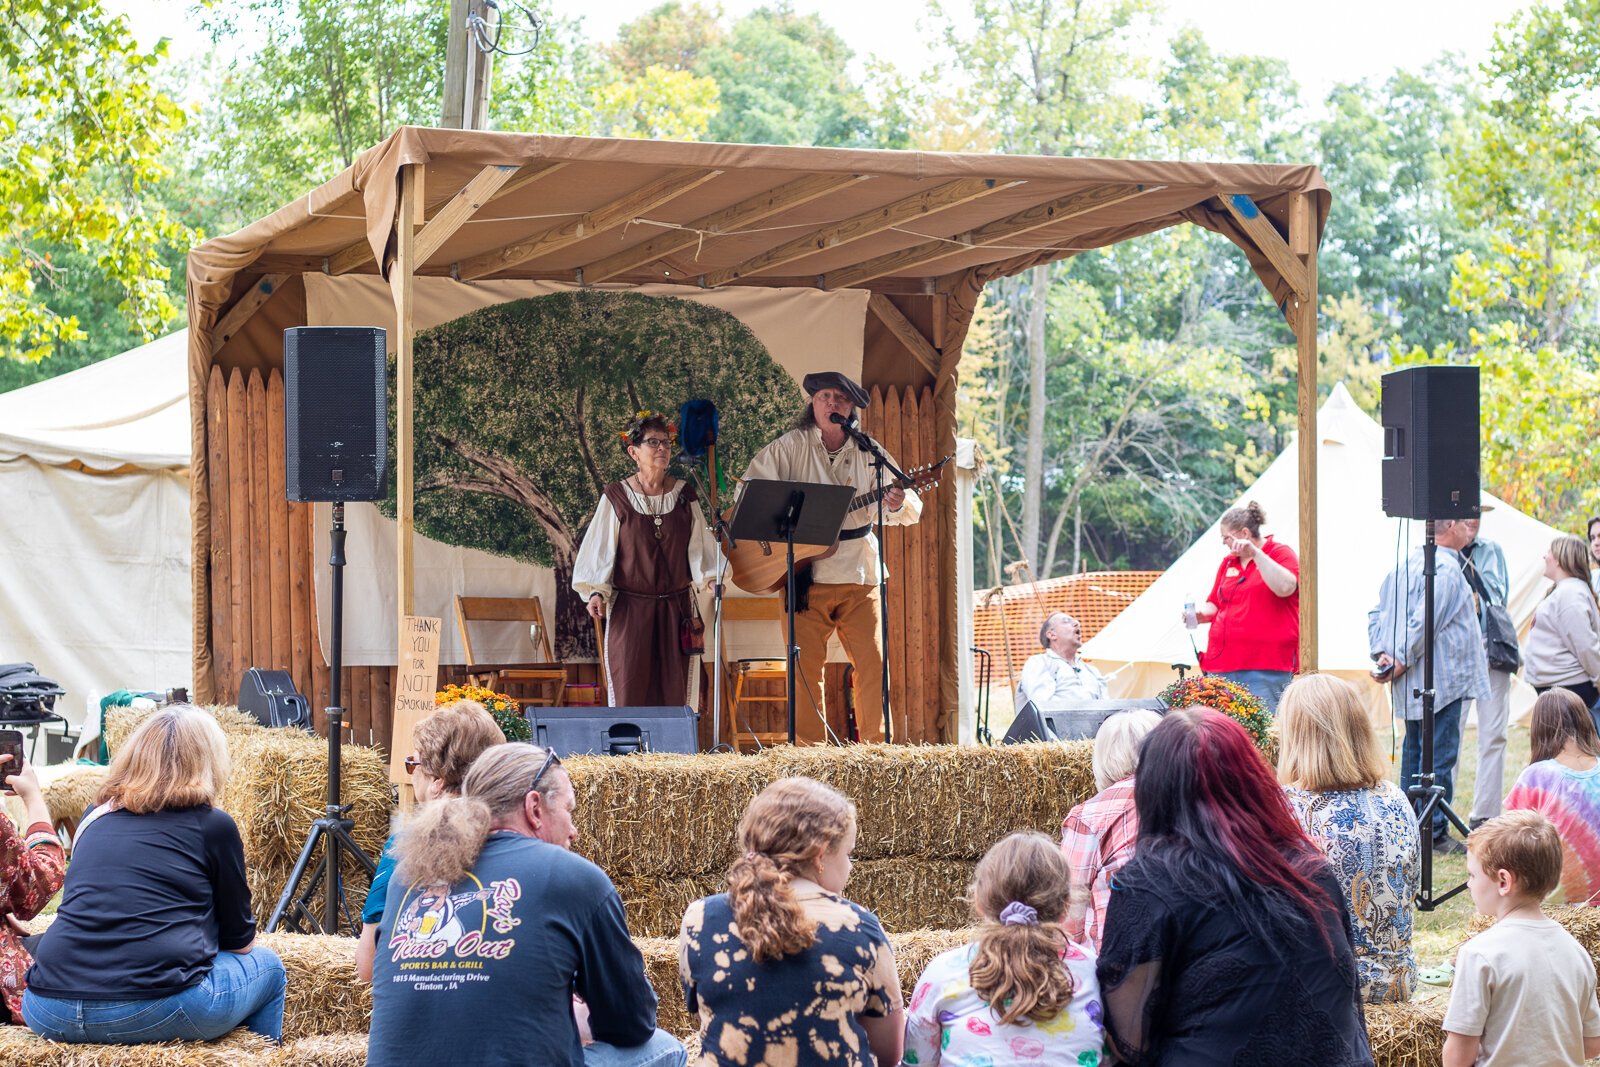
{"x": 332, "y": 832}
{"x": 1425, "y": 789}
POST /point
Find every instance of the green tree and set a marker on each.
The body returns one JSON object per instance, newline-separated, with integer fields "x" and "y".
{"x": 657, "y": 102}
{"x": 82, "y": 142}
{"x": 672, "y": 36}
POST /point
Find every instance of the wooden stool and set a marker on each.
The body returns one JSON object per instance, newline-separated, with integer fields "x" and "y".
{"x": 756, "y": 670}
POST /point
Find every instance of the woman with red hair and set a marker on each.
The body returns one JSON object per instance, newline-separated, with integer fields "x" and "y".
{"x": 1227, "y": 939}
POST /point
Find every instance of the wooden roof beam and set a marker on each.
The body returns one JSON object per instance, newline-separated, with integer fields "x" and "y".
{"x": 919, "y": 205}
{"x": 1270, "y": 242}
{"x": 906, "y": 332}
{"x": 647, "y": 197}
{"x": 353, "y": 257}
{"x": 250, "y": 303}
{"x": 728, "y": 220}
{"x": 1034, "y": 218}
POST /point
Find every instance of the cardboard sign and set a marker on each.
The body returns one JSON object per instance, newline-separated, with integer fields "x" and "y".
{"x": 415, "y": 682}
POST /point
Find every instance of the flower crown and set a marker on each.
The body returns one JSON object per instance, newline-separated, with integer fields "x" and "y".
{"x": 640, "y": 417}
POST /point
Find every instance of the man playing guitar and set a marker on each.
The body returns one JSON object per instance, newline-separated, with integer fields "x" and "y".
{"x": 842, "y": 596}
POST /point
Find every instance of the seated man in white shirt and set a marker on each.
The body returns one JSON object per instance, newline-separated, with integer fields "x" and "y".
{"x": 1057, "y": 675}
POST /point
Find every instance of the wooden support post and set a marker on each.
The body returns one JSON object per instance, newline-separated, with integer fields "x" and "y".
{"x": 1303, "y": 246}
{"x": 402, "y": 286}
{"x": 905, "y": 332}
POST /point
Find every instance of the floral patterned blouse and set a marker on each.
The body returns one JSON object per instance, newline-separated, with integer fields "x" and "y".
{"x": 32, "y": 867}
{"x": 1370, "y": 839}
{"x": 949, "y": 1023}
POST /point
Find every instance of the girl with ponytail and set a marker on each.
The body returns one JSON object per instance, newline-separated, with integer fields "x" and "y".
{"x": 781, "y": 965}
{"x": 1022, "y": 991}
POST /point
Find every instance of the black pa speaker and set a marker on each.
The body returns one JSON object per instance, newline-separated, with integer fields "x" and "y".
{"x": 1430, "y": 443}
{"x": 336, "y": 412}
{"x": 272, "y": 698}
{"x": 1070, "y": 722}
{"x": 615, "y": 731}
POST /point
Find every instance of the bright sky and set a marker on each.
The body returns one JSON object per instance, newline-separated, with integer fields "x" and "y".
{"x": 1350, "y": 41}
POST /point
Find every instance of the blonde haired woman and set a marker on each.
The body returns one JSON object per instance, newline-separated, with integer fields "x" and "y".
{"x": 1021, "y": 992}
{"x": 781, "y": 965}
{"x": 1564, "y": 642}
{"x": 511, "y": 925}
{"x": 1337, "y": 783}
{"x": 445, "y": 744}
{"x": 154, "y": 939}
{"x": 1098, "y": 835}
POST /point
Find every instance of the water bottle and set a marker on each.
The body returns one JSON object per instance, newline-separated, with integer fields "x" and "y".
{"x": 1190, "y": 619}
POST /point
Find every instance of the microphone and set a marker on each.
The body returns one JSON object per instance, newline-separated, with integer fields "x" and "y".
{"x": 839, "y": 420}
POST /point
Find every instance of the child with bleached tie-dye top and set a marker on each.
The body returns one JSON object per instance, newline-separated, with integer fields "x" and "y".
{"x": 1563, "y": 784}
{"x": 1022, "y": 993}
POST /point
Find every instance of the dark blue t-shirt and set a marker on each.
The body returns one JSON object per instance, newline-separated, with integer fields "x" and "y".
{"x": 378, "y": 891}
{"x": 484, "y": 971}
{"x": 148, "y": 902}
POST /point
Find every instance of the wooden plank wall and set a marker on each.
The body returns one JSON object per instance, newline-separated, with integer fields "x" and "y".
{"x": 263, "y": 558}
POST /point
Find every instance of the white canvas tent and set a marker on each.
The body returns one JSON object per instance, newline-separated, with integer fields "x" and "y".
{"x": 94, "y": 524}
{"x": 1359, "y": 545}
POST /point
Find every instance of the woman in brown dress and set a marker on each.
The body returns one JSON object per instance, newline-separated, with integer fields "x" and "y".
{"x": 646, "y": 550}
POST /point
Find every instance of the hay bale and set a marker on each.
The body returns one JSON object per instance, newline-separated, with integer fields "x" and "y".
{"x": 662, "y": 815}
{"x": 951, "y": 802}
{"x": 1406, "y": 1035}
{"x": 655, "y": 906}
{"x": 21, "y": 1047}
{"x": 120, "y": 722}
{"x": 70, "y": 795}
{"x": 324, "y": 1050}
{"x": 324, "y": 995}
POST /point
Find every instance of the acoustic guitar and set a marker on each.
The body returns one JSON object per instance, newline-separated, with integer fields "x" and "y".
{"x": 762, "y": 566}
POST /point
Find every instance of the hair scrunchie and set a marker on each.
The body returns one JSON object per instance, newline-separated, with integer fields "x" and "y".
{"x": 1017, "y": 913}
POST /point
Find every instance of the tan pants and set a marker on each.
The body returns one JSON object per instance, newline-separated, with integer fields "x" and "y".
{"x": 852, "y": 611}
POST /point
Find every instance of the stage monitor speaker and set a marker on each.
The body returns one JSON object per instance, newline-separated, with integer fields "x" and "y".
{"x": 336, "y": 412}
{"x": 272, "y": 698}
{"x": 1431, "y": 443}
{"x": 1069, "y": 722}
{"x": 615, "y": 731}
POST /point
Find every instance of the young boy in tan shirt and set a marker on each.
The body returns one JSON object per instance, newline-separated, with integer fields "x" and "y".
{"x": 1524, "y": 991}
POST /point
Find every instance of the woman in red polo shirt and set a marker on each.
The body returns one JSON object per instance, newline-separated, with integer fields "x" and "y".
{"x": 1253, "y": 609}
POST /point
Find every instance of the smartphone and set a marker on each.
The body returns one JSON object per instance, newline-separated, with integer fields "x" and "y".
{"x": 10, "y": 745}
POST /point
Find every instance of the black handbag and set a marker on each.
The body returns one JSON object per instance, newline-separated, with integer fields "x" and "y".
{"x": 1499, "y": 632}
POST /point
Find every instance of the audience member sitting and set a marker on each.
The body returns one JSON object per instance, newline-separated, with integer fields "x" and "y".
{"x": 510, "y": 924}
{"x": 446, "y": 743}
{"x": 1563, "y": 784}
{"x": 1022, "y": 992}
{"x": 1098, "y": 835}
{"x": 1524, "y": 989}
{"x": 154, "y": 939}
{"x": 33, "y": 862}
{"x": 781, "y": 965}
{"x": 1227, "y": 939}
{"x": 1058, "y": 675}
{"x": 1336, "y": 781}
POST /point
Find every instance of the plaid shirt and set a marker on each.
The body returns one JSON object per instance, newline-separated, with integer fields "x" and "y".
{"x": 1097, "y": 838}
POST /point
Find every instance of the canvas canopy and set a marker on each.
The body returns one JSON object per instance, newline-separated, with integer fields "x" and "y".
{"x": 1360, "y": 545}
{"x": 94, "y": 537}
{"x": 922, "y": 232}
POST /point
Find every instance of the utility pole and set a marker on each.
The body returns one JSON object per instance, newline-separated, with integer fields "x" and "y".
{"x": 466, "y": 68}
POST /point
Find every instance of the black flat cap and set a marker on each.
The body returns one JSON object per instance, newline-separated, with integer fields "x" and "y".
{"x": 832, "y": 379}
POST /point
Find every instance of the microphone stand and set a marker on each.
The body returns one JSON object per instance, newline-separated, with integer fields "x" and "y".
{"x": 721, "y": 536}
{"x": 881, "y": 463}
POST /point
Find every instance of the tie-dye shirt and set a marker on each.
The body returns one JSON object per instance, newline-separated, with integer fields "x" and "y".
{"x": 949, "y": 1023}
{"x": 1571, "y": 800}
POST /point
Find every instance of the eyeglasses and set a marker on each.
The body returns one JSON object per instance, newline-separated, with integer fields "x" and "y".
{"x": 549, "y": 759}
{"x": 656, "y": 442}
{"x": 413, "y": 764}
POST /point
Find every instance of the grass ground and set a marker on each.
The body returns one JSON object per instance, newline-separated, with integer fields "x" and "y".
{"x": 1438, "y": 932}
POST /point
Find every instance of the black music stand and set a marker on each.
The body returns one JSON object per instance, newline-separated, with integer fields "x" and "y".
{"x": 796, "y": 513}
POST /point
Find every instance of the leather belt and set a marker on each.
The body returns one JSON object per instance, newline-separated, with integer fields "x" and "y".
{"x": 858, "y": 532}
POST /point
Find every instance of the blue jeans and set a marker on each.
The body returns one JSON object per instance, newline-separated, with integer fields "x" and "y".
{"x": 1446, "y": 747}
{"x": 241, "y": 989}
{"x": 662, "y": 1050}
{"x": 1268, "y": 685}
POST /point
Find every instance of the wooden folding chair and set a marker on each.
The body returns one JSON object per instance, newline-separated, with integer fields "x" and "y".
{"x": 547, "y": 678}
